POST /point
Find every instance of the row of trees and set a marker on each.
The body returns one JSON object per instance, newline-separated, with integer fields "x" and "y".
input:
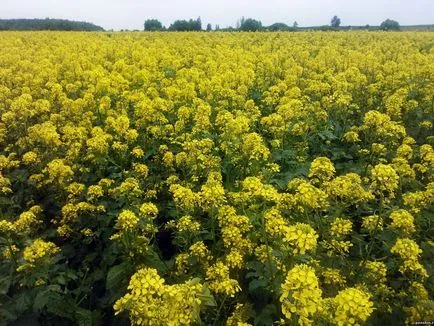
{"x": 46, "y": 24}
{"x": 387, "y": 25}
{"x": 178, "y": 25}
{"x": 249, "y": 24}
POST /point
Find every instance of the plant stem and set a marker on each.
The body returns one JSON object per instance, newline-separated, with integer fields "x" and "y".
{"x": 219, "y": 310}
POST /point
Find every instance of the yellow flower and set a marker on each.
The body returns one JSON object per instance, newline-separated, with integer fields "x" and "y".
{"x": 95, "y": 192}
{"x": 37, "y": 252}
{"x": 151, "y": 302}
{"x": 321, "y": 169}
{"x": 127, "y": 220}
{"x": 187, "y": 224}
{"x": 340, "y": 227}
{"x": 351, "y": 137}
{"x": 141, "y": 169}
{"x": 138, "y": 152}
{"x": 348, "y": 189}
{"x": 385, "y": 179}
{"x": 372, "y": 223}
{"x": 409, "y": 252}
{"x": 58, "y": 172}
{"x": 302, "y": 237}
{"x": 308, "y": 196}
{"x": 339, "y": 247}
{"x": 220, "y": 281}
{"x": 402, "y": 221}
{"x": 184, "y": 197}
{"x": 253, "y": 147}
{"x": 149, "y": 210}
{"x": 30, "y": 158}
{"x": 212, "y": 193}
{"x": 26, "y": 222}
{"x": 376, "y": 271}
{"x": 333, "y": 276}
{"x": 301, "y": 294}
{"x": 353, "y": 306}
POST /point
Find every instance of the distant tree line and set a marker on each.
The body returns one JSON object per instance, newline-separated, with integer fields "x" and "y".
{"x": 253, "y": 25}
{"x": 152, "y": 25}
{"x": 46, "y": 24}
{"x": 244, "y": 24}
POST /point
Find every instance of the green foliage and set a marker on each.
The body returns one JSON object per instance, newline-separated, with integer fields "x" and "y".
{"x": 335, "y": 22}
{"x": 185, "y": 26}
{"x": 390, "y": 25}
{"x": 250, "y": 25}
{"x": 279, "y": 27}
{"x": 46, "y": 24}
{"x": 153, "y": 25}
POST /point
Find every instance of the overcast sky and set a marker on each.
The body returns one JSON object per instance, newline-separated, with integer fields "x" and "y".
{"x": 130, "y": 14}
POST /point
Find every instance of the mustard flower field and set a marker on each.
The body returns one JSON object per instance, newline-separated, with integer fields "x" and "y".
{"x": 216, "y": 178}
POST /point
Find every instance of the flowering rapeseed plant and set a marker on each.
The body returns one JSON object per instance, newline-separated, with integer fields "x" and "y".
{"x": 239, "y": 179}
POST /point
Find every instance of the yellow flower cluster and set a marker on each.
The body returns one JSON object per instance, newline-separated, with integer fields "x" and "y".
{"x": 184, "y": 197}
{"x": 422, "y": 308}
{"x": 220, "y": 281}
{"x": 39, "y": 252}
{"x": 385, "y": 180}
{"x": 187, "y": 224}
{"x": 308, "y": 196}
{"x": 348, "y": 189}
{"x": 238, "y": 317}
{"x": 24, "y": 224}
{"x": 234, "y": 229}
{"x": 321, "y": 169}
{"x": 420, "y": 199}
{"x": 372, "y": 223}
{"x": 127, "y": 220}
{"x": 333, "y": 276}
{"x": 302, "y": 237}
{"x": 402, "y": 221}
{"x": 376, "y": 271}
{"x": 301, "y": 295}
{"x": 151, "y": 302}
{"x": 409, "y": 252}
{"x": 341, "y": 227}
{"x": 353, "y": 306}
{"x": 212, "y": 193}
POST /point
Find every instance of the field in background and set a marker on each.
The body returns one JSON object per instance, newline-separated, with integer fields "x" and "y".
{"x": 216, "y": 178}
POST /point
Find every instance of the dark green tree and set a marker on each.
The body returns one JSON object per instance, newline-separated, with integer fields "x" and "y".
{"x": 250, "y": 25}
{"x": 336, "y": 21}
{"x": 390, "y": 25}
{"x": 153, "y": 25}
{"x": 47, "y": 24}
{"x": 279, "y": 27}
{"x": 185, "y": 26}
{"x": 208, "y": 28}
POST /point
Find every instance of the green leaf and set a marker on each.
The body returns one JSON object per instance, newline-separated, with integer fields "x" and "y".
{"x": 117, "y": 274}
{"x": 22, "y": 302}
{"x": 83, "y": 317}
{"x": 5, "y": 283}
{"x": 266, "y": 316}
{"x": 41, "y": 299}
{"x": 61, "y": 306}
{"x": 207, "y": 298}
{"x": 256, "y": 284}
